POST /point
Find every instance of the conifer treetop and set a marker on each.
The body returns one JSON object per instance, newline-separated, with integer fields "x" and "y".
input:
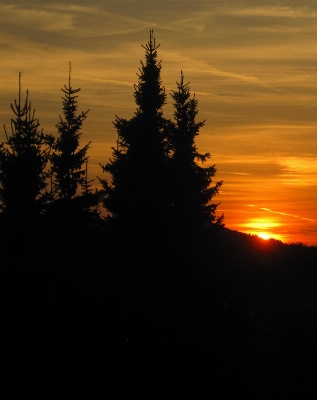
{"x": 186, "y": 126}
{"x": 149, "y": 94}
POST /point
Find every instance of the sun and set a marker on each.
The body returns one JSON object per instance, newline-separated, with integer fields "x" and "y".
{"x": 264, "y": 228}
{"x": 264, "y": 236}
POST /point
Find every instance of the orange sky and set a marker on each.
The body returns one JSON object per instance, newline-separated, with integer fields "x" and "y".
{"x": 251, "y": 64}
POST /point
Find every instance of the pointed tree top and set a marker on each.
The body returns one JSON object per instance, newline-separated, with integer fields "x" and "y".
{"x": 69, "y": 74}
{"x": 19, "y": 89}
{"x": 152, "y": 39}
{"x": 182, "y": 78}
{"x": 151, "y": 46}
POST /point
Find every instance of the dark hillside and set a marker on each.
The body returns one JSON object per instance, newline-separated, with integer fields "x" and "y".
{"x": 247, "y": 305}
{"x": 268, "y": 294}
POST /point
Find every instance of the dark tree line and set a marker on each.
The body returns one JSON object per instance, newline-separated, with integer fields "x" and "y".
{"x": 157, "y": 183}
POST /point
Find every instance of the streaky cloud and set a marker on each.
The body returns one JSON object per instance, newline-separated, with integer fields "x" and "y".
{"x": 218, "y": 95}
{"x": 282, "y": 213}
{"x": 124, "y": 31}
{"x": 112, "y": 81}
{"x": 71, "y": 20}
{"x": 276, "y": 12}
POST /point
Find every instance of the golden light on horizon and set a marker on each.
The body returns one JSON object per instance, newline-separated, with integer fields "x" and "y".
{"x": 264, "y": 236}
{"x": 262, "y": 224}
{"x": 265, "y": 228}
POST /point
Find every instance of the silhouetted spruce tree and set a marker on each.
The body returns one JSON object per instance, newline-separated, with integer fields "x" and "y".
{"x": 67, "y": 160}
{"x": 138, "y": 167}
{"x": 23, "y": 159}
{"x": 191, "y": 183}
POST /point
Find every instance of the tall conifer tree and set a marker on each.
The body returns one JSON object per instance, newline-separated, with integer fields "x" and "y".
{"x": 23, "y": 159}
{"x": 191, "y": 183}
{"x": 67, "y": 160}
{"x": 138, "y": 166}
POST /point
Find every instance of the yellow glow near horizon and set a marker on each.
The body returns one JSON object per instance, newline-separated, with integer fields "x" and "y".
{"x": 264, "y": 236}
{"x": 265, "y": 228}
{"x": 261, "y": 224}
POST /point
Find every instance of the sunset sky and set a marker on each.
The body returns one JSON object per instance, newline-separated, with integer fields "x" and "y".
{"x": 252, "y": 65}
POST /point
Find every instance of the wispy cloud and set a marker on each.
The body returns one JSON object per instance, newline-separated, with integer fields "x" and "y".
{"x": 238, "y": 173}
{"x": 71, "y": 20}
{"x": 277, "y": 12}
{"x": 217, "y": 95}
{"x": 112, "y": 81}
{"x": 282, "y": 213}
{"x": 231, "y": 75}
{"x": 284, "y": 29}
{"x": 42, "y": 19}
{"x": 299, "y": 170}
{"x": 196, "y": 25}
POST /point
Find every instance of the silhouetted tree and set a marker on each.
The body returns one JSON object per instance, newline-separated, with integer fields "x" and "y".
{"x": 190, "y": 182}
{"x": 67, "y": 160}
{"x": 23, "y": 159}
{"x": 138, "y": 166}
{"x": 72, "y": 208}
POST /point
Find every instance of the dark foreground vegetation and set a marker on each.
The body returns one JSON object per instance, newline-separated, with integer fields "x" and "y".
{"x": 241, "y": 313}
{"x": 124, "y": 306}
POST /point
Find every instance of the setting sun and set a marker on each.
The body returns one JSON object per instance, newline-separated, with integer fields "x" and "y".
{"x": 264, "y": 236}
{"x": 265, "y": 228}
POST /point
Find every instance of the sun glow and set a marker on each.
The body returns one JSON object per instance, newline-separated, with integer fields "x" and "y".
{"x": 264, "y": 236}
{"x": 265, "y": 228}
{"x": 262, "y": 224}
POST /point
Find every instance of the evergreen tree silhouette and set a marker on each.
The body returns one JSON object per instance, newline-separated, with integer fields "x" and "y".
{"x": 23, "y": 159}
{"x": 138, "y": 166}
{"x": 190, "y": 182}
{"x": 69, "y": 167}
{"x": 67, "y": 160}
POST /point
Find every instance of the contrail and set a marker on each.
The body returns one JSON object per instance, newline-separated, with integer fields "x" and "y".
{"x": 281, "y": 213}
